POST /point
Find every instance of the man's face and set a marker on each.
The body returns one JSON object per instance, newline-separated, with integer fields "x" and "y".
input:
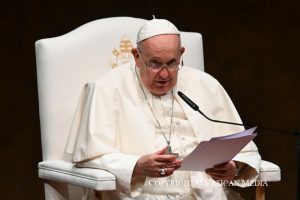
{"x": 161, "y": 50}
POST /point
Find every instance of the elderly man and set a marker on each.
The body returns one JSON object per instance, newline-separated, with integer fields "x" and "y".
{"x": 131, "y": 122}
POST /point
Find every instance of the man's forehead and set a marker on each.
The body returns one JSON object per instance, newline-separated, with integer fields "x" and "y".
{"x": 158, "y": 43}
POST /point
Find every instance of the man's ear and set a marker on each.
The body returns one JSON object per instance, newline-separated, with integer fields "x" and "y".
{"x": 135, "y": 53}
{"x": 182, "y": 50}
{"x": 136, "y": 56}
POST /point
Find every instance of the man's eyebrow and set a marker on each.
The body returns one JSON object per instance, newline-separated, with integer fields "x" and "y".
{"x": 157, "y": 59}
{"x": 172, "y": 60}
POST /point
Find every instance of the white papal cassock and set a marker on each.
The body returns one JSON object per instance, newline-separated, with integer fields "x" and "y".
{"x": 113, "y": 126}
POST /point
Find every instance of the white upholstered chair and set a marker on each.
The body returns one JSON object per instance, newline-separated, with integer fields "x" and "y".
{"x": 64, "y": 65}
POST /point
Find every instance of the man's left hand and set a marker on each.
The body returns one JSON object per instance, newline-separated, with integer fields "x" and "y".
{"x": 225, "y": 171}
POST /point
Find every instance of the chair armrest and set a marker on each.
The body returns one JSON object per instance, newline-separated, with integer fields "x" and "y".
{"x": 269, "y": 172}
{"x": 97, "y": 179}
{"x": 66, "y": 172}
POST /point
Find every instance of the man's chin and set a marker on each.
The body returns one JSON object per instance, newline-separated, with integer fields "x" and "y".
{"x": 160, "y": 91}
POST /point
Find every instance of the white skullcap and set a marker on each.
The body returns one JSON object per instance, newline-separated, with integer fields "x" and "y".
{"x": 156, "y": 27}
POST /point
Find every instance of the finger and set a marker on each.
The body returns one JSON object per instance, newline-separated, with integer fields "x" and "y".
{"x": 165, "y": 158}
{"x": 220, "y": 172}
{"x": 161, "y": 152}
{"x": 222, "y": 165}
{"x": 221, "y": 176}
{"x": 224, "y": 176}
{"x": 218, "y": 178}
{"x": 168, "y": 165}
{"x": 219, "y": 169}
{"x": 228, "y": 165}
{"x": 217, "y": 174}
{"x": 168, "y": 172}
{"x": 174, "y": 165}
{"x": 160, "y": 165}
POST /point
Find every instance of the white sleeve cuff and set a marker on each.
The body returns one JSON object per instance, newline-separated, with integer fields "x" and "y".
{"x": 249, "y": 173}
{"x": 122, "y": 166}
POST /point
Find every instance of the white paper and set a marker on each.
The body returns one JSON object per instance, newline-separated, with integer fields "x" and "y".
{"x": 216, "y": 151}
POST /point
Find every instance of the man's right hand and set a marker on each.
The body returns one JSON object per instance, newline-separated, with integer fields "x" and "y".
{"x": 151, "y": 164}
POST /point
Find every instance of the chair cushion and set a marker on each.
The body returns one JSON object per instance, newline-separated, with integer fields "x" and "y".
{"x": 269, "y": 172}
{"x": 63, "y": 171}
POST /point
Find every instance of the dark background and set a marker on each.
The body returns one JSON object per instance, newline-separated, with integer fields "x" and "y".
{"x": 252, "y": 47}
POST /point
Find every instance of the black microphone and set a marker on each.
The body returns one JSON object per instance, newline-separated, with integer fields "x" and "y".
{"x": 196, "y": 108}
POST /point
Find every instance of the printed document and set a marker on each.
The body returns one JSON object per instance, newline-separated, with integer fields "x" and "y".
{"x": 216, "y": 151}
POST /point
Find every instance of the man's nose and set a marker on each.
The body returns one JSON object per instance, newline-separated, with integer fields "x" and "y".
{"x": 164, "y": 73}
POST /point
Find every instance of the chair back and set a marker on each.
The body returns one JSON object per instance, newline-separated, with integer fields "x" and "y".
{"x": 67, "y": 62}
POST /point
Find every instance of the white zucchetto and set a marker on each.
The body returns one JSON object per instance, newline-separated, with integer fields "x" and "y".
{"x": 156, "y": 27}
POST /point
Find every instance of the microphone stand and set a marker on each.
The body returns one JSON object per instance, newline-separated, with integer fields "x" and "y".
{"x": 295, "y": 132}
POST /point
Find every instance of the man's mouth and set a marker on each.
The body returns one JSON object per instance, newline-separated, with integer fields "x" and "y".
{"x": 162, "y": 82}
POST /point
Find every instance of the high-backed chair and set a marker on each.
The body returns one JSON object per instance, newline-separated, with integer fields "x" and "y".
{"x": 64, "y": 65}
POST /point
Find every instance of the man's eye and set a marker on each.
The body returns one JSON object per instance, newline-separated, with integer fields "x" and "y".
{"x": 154, "y": 64}
{"x": 172, "y": 64}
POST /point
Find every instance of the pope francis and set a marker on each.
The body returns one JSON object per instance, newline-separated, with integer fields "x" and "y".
{"x": 131, "y": 122}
